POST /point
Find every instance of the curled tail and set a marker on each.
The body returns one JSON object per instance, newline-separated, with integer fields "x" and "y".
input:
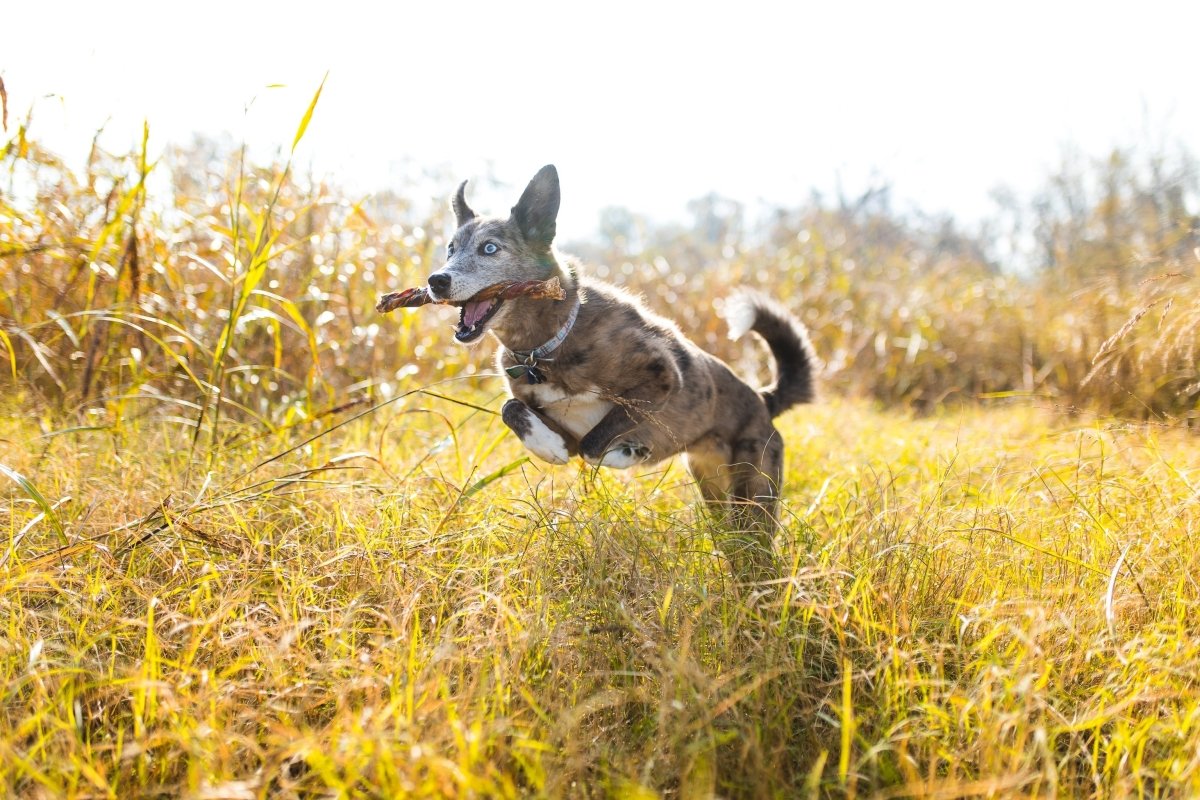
{"x": 788, "y": 340}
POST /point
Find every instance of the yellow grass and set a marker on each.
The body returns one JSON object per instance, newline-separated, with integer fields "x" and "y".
{"x": 996, "y": 603}
{"x": 258, "y": 541}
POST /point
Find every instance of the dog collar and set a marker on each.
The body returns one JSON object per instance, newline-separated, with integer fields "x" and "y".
{"x": 529, "y": 358}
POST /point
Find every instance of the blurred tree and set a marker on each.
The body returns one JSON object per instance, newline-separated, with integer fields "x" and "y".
{"x": 1118, "y": 213}
{"x": 717, "y": 220}
{"x": 622, "y": 232}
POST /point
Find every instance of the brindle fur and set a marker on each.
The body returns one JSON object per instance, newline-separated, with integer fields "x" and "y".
{"x": 626, "y": 386}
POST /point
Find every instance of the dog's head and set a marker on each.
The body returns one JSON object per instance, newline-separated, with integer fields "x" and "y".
{"x": 486, "y": 251}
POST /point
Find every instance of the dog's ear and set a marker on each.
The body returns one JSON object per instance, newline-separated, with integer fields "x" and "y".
{"x": 462, "y": 212}
{"x": 535, "y": 213}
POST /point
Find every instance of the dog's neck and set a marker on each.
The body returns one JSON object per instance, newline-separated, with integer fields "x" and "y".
{"x": 529, "y": 324}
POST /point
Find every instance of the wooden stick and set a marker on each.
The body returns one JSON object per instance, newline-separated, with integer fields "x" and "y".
{"x": 414, "y": 298}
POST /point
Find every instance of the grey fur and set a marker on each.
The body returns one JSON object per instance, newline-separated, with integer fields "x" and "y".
{"x": 626, "y": 386}
{"x": 462, "y": 212}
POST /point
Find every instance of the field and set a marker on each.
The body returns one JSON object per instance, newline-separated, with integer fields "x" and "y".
{"x": 259, "y": 542}
{"x": 995, "y": 603}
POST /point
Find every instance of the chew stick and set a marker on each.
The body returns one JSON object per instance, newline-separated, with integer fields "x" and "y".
{"x": 414, "y": 298}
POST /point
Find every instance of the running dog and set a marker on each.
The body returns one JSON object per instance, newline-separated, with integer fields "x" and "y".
{"x": 598, "y": 375}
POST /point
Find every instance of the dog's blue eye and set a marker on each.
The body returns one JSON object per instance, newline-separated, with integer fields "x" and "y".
{"x": 490, "y": 249}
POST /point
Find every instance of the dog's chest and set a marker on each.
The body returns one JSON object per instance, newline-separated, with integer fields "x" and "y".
{"x": 577, "y": 413}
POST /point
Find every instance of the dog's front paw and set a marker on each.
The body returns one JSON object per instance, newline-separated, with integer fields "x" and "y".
{"x": 621, "y": 456}
{"x": 533, "y": 433}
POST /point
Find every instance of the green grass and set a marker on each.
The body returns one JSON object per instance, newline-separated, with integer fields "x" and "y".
{"x": 988, "y": 603}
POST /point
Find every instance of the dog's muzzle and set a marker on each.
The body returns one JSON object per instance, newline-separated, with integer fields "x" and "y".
{"x": 439, "y": 285}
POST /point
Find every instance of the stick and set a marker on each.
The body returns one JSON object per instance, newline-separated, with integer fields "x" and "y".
{"x": 414, "y": 298}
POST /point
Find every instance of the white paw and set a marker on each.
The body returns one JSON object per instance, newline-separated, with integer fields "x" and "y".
{"x": 544, "y": 443}
{"x": 621, "y": 456}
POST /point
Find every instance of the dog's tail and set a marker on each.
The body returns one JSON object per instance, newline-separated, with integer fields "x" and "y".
{"x": 788, "y": 340}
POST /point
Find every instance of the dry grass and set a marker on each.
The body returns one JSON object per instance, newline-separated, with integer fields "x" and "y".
{"x": 995, "y": 603}
{"x": 259, "y": 542}
{"x": 205, "y": 276}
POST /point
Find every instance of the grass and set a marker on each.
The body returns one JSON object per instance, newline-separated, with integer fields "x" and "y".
{"x": 202, "y": 279}
{"x": 259, "y": 542}
{"x": 992, "y": 603}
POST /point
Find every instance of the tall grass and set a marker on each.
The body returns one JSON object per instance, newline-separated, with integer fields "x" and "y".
{"x": 258, "y": 542}
{"x": 113, "y": 294}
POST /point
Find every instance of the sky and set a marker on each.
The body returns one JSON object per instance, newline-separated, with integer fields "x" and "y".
{"x": 640, "y": 104}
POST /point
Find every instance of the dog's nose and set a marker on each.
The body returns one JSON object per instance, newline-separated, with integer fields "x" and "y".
{"x": 439, "y": 282}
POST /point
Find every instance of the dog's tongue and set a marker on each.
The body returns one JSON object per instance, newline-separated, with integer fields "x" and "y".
{"x": 474, "y": 311}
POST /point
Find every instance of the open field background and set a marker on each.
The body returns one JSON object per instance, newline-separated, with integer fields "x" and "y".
{"x": 259, "y": 541}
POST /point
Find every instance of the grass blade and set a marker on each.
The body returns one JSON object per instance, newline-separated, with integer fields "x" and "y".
{"x": 483, "y": 482}
{"x": 37, "y": 497}
{"x": 12, "y": 355}
{"x": 308, "y": 114}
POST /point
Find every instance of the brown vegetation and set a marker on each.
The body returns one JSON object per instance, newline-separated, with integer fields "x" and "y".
{"x": 113, "y": 283}
{"x": 261, "y": 541}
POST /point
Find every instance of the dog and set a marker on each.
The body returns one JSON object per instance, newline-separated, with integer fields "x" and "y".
{"x": 598, "y": 375}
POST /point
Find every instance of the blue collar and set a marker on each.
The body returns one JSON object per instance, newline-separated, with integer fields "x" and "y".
{"x": 529, "y": 359}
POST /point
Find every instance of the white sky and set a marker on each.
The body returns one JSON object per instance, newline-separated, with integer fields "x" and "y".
{"x": 640, "y": 104}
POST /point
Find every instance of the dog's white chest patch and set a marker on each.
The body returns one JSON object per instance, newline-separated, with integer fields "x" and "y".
{"x": 578, "y": 413}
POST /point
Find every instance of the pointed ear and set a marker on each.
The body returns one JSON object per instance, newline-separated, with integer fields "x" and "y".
{"x": 535, "y": 213}
{"x": 462, "y": 212}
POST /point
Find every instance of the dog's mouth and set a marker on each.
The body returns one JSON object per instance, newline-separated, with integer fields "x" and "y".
{"x": 474, "y": 317}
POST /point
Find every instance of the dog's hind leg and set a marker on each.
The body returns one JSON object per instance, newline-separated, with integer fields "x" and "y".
{"x": 540, "y": 435}
{"x": 740, "y": 487}
{"x": 707, "y": 461}
{"x": 756, "y": 473}
{"x": 759, "y": 460}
